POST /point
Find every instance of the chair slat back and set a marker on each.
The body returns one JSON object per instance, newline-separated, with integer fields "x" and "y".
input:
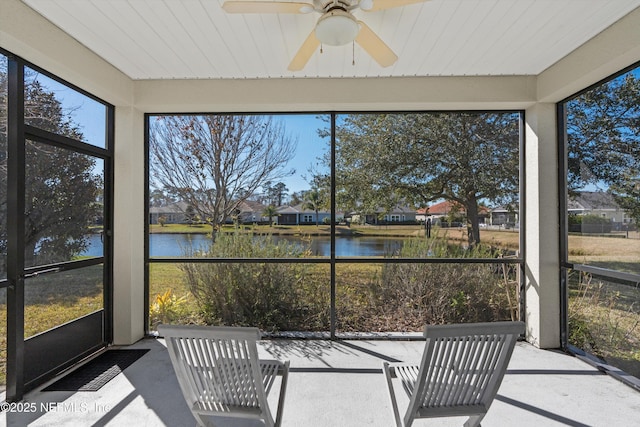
{"x": 463, "y": 365}
{"x": 219, "y": 370}
{"x": 217, "y": 367}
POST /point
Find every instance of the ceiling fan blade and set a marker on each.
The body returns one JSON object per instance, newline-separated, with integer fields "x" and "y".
{"x": 389, "y": 4}
{"x": 303, "y": 55}
{"x": 374, "y": 46}
{"x": 266, "y": 7}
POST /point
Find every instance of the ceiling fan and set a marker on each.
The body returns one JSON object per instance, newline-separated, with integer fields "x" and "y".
{"x": 336, "y": 26}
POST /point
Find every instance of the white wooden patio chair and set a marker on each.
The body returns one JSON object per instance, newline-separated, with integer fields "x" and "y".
{"x": 461, "y": 370}
{"x": 220, "y": 374}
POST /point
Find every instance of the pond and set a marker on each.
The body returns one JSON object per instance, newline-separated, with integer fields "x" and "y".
{"x": 174, "y": 245}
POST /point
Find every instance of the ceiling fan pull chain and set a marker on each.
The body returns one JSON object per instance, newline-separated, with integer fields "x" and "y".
{"x": 353, "y": 53}
{"x": 321, "y": 51}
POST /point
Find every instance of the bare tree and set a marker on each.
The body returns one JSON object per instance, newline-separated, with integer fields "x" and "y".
{"x": 218, "y": 161}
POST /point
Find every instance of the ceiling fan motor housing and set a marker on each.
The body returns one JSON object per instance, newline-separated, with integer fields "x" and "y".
{"x": 326, "y": 5}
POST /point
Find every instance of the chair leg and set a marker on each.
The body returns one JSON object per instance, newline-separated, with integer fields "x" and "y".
{"x": 474, "y": 421}
{"x": 202, "y": 421}
{"x": 283, "y": 390}
{"x": 392, "y": 395}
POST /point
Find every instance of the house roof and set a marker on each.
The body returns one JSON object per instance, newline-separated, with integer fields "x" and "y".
{"x": 300, "y": 209}
{"x": 181, "y": 207}
{"x": 592, "y": 200}
{"x": 173, "y": 208}
{"x": 399, "y": 210}
{"x": 251, "y": 206}
{"x": 444, "y": 208}
{"x": 501, "y": 209}
{"x": 286, "y": 209}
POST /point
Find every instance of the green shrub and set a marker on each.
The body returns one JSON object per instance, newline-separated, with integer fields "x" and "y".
{"x": 589, "y": 224}
{"x": 594, "y": 219}
{"x": 270, "y": 296}
{"x": 370, "y": 297}
{"x": 580, "y": 334}
{"x": 573, "y": 219}
{"x": 604, "y": 320}
{"x": 440, "y": 292}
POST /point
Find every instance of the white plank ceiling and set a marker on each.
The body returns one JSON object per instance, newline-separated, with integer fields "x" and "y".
{"x": 184, "y": 39}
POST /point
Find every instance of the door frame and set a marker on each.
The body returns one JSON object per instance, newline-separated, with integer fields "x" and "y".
{"x": 74, "y": 340}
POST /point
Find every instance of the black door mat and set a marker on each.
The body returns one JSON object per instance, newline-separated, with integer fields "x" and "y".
{"x": 97, "y": 372}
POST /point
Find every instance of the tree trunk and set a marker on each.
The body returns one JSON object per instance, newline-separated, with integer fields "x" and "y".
{"x": 473, "y": 228}
{"x": 30, "y": 259}
{"x": 214, "y": 232}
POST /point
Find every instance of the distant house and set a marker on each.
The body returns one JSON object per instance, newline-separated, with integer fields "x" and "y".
{"x": 504, "y": 216}
{"x": 439, "y": 212}
{"x": 442, "y": 211}
{"x": 287, "y": 215}
{"x": 445, "y": 208}
{"x": 250, "y": 211}
{"x": 174, "y": 213}
{"x": 298, "y": 215}
{"x": 399, "y": 214}
{"x": 598, "y": 203}
{"x": 422, "y": 214}
{"x": 178, "y": 213}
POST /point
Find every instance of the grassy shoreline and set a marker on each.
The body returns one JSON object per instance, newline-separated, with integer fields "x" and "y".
{"x": 508, "y": 239}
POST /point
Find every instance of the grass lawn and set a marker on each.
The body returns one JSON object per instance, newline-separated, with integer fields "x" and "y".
{"x": 618, "y": 253}
{"x": 166, "y": 276}
{"x": 54, "y": 299}
{"x": 180, "y": 228}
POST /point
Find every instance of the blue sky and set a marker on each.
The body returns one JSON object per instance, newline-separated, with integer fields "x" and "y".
{"x": 304, "y": 128}
{"x": 89, "y": 116}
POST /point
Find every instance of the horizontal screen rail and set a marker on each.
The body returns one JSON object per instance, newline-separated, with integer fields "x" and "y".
{"x": 342, "y": 260}
{"x": 604, "y": 272}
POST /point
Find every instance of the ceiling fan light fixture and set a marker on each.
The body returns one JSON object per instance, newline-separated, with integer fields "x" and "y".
{"x": 337, "y": 28}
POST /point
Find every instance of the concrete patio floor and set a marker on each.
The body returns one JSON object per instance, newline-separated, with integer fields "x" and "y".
{"x": 340, "y": 383}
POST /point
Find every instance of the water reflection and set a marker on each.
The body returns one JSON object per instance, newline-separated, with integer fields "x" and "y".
{"x": 176, "y": 245}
